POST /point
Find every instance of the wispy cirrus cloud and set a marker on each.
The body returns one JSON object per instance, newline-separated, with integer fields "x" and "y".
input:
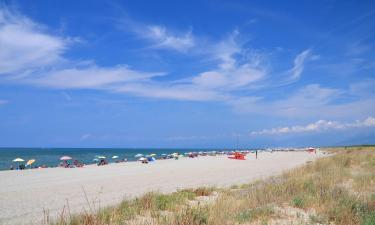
{"x": 89, "y": 77}
{"x": 25, "y": 45}
{"x": 41, "y": 62}
{"x": 298, "y": 66}
{"x": 163, "y": 38}
{"x": 317, "y": 126}
{"x": 159, "y": 36}
{"x": 48, "y": 67}
{"x": 310, "y": 101}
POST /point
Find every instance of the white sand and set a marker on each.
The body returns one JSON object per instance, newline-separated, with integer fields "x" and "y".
{"x": 24, "y": 195}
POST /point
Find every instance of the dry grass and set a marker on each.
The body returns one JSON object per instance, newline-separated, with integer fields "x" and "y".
{"x": 339, "y": 189}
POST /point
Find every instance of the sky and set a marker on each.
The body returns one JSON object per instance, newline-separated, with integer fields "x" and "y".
{"x": 186, "y": 74}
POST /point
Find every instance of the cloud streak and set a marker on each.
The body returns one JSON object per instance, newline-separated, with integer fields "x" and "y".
{"x": 91, "y": 77}
{"x": 26, "y": 45}
{"x": 160, "y": 37}
{"x": 163, "y": 38}
{"x": 318, "y": 126}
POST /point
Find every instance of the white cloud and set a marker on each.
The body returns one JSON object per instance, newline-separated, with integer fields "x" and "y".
{"x": 89, "y": 77}
{"x": 299, "y": 64}
{"x": 25, "y": 45}
{"x": 308, "y": 98}
{"x": 310, "y": 101}
{"x": 164, "y": 38}
{"x": 318, "y": 126}
{"x": 85, "y": 137}
{"x": 230, "y": 74}
{"x": 294, "y": 74}
{"x": 171, "y": 91}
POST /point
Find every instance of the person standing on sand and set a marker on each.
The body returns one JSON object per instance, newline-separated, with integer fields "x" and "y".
{"x": 256, "y": 153}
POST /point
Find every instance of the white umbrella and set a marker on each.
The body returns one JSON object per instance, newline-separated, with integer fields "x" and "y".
{"x": 101, "y": 157}
{"x": 114, "y": 157}
{"x": 138, "y": 155}
{"x": 18, "y": 160}
{"x": 65, "y": 157}
{"x": 142, "y": 158}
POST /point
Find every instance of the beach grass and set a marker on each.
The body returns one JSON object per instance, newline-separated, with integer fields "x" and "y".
{"x": 337, "y": 189}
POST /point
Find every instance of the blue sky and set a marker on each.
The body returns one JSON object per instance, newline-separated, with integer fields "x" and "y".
{"x": 186, "y": 73}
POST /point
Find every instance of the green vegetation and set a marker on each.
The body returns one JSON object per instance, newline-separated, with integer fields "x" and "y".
{"x": 338, "y": 189}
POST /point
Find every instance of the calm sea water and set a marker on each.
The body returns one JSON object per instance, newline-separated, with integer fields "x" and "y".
{"x": 51, "y": 156}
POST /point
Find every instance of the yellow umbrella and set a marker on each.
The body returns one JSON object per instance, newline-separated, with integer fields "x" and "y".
{"x": 31, "y": 161}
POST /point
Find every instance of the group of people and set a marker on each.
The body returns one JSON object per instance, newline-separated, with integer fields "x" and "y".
{"x": 18, "y": 167}
{"x": 66, "y": 164}
{"x": 23, "y": 167}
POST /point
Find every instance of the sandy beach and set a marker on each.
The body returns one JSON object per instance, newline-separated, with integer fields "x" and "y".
{"x": 25, "y": 195}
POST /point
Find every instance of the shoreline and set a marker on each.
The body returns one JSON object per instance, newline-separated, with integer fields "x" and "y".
{"x": 26, "y": 194}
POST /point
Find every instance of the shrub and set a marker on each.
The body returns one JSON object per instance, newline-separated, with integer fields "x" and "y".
{"x": 298, "y": 202}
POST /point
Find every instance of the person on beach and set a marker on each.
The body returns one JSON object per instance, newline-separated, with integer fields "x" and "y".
{"x": 256, "y": 154}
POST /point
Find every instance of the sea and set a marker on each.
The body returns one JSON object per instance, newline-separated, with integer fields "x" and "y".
{"x": 51, "y": 156}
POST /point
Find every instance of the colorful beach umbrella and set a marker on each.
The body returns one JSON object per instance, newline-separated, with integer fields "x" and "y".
{"x": 31, "y": 161}
{"x": 18, "y": 160}
{"x": 65, "y": 157}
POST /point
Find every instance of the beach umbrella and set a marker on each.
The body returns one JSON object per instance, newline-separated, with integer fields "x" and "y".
{"x": 18, "y": 160}
{"x": 138, "y": 155}
{"x": 31, "y": 161}
{"x": 96, "y": 160}
{"x": 142, "y": 158}
{"x": 101, "y": 157}
{"x": 153, "y": 154}
{"x": 65, "y": 157}
{"x": 114, "y": 157}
